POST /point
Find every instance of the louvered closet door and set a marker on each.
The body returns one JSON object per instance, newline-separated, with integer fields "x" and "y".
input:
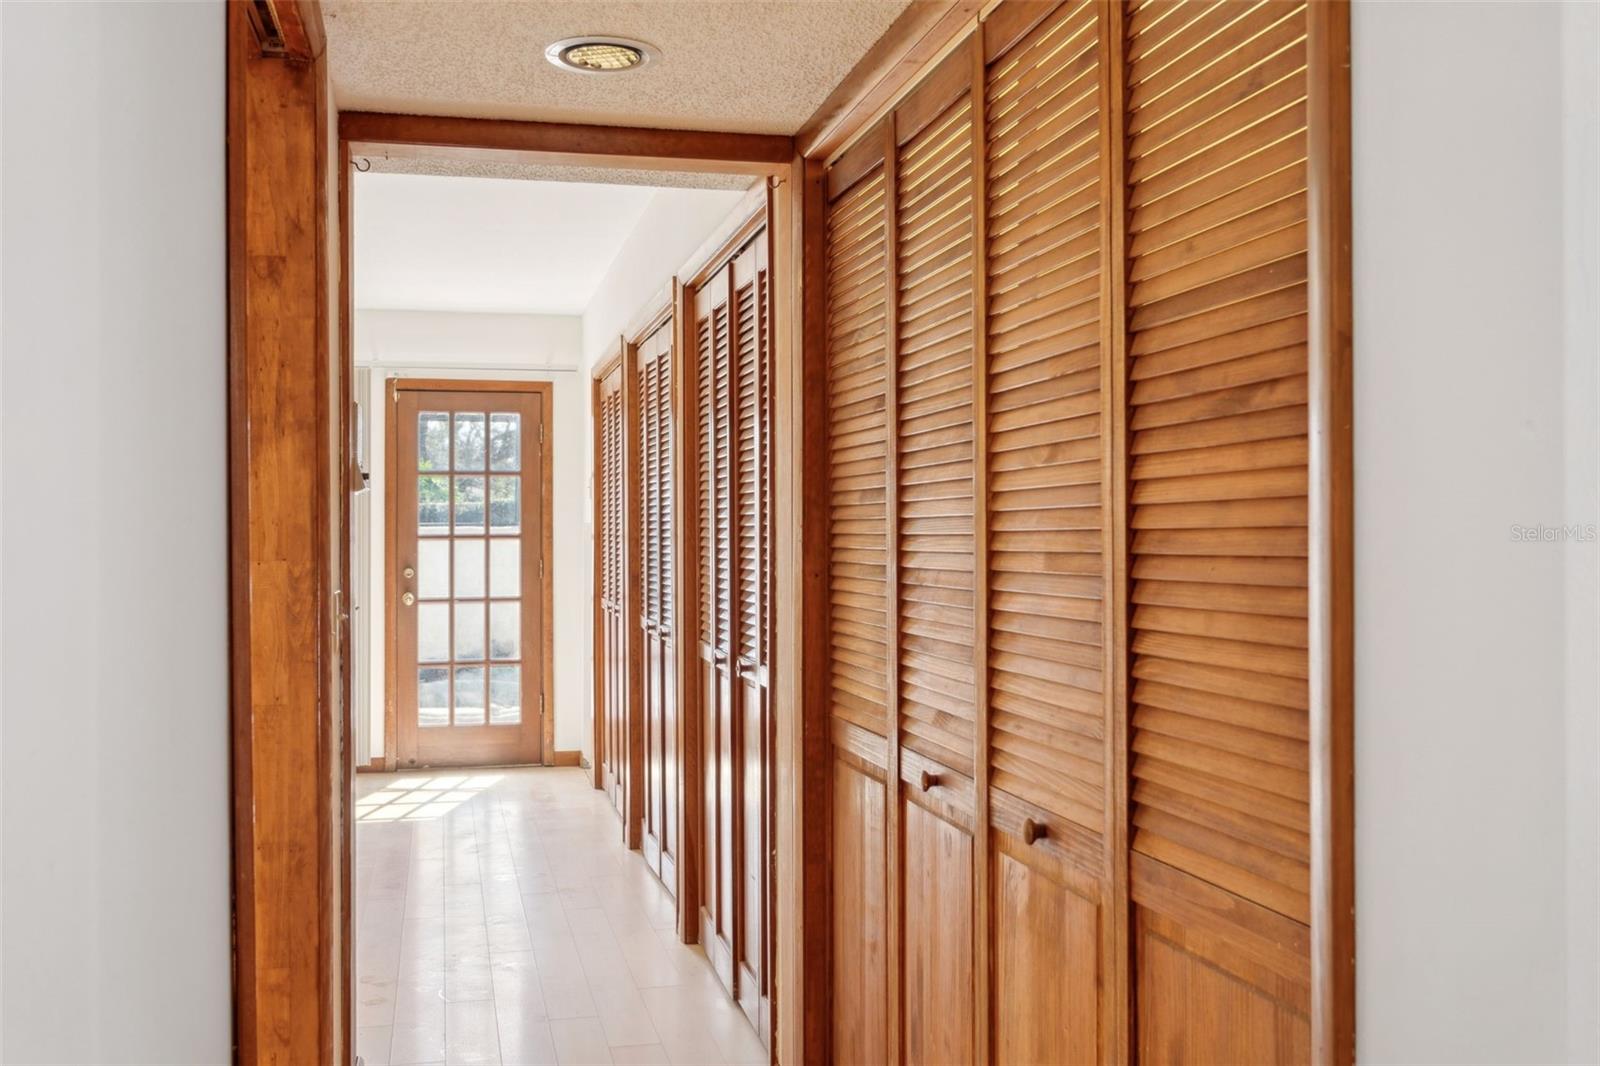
{"x": 1048, "y": 528}
{"x": 858, "y": 639}
{"x": 662, "y": 766}
{"x": 752, "y": 779}
{"x": 714, "y": 475}
{"x": 611, "y": 693}
{"x": 1217, "y": 304}
{"x": 935, "y": 529}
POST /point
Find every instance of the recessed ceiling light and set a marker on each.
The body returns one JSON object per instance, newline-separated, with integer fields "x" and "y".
{"x": 599, "y": 55}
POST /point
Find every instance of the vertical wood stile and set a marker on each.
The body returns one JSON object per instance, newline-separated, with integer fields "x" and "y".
{"x": 632, "y": 595}
{"x": 1116, "y": 1003}
{"x": 891, "y": 405}
{"x": 981, "y": 879}
{"x": 685, "y": 417}
{"x": 1331, "y": 563}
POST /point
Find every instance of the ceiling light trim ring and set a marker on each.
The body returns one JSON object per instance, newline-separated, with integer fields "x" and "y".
{"x": 559, "y": 53}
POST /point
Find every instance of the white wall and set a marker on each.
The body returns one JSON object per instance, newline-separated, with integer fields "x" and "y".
{"x": 1475, "y": 412}
{"x": 509, "y": 346}
{"x": 674, "y": 226}
{"x": 114, "y": 622}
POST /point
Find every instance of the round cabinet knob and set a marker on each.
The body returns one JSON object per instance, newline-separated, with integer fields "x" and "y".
{"x": 408, "y": 599}
{"x": 927, "y": 780}
{"x": 408, "y": 572}
{"x": 1032, "y": 831}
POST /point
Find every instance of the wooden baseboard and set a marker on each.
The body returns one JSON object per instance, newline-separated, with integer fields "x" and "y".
{"x": 567, "y": 758}
{"x": 374, "y": 767}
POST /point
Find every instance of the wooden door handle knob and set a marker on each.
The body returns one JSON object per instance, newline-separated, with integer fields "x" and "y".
{"x": 1032, "y": 831}
{"x": 927, "y": 780}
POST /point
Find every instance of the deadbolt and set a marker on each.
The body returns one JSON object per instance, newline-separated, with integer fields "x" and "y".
{"x": 408, "y": 572}
{"x": 408, "y": 599}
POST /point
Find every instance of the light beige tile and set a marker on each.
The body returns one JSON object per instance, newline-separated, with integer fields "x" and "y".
{"x": 372, "y": 1044}
{"x": 580, "y": 1042}
{"x": 517, "y": 992}
{"x": 417, "y": 1044}
{"x": 526, "y": 1043}
{"x": 621, "y": 1011}
{"x": 643, "y": 1054}
{"x": 471, "y": 1034}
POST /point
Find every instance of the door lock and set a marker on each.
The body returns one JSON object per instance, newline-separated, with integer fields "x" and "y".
{"x": 408, "y": 599}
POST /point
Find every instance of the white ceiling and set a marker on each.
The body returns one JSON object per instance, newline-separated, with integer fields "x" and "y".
{"x": 754, "y": 66}
{"x": 487, "y": 244}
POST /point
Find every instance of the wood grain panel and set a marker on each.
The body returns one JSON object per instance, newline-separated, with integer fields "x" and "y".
{"x": 938, "y": 920}
{"x": 1046, "y": 962}
{"x": 860, "y": 915}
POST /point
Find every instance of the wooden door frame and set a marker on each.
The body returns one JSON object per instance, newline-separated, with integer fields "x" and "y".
{"x": 545, "y": 390}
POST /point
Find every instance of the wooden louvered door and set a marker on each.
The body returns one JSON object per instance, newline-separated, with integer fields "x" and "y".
{"x": 752, "y": 779}
{"x": 716, "y": 574}
{"x": 1068, "y": 653}
{"x": 732, "y": 374}
{"x": 611, "y": 649}
{"x": 662, "y": 766}
{"x": 1049, "y": 523}
{"x": 1217, "y": 306}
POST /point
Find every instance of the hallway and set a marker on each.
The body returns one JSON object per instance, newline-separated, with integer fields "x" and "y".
{"x": 501, "y": 921}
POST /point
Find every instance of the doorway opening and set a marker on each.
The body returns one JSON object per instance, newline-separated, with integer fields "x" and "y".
{"x": 517, "y": 869}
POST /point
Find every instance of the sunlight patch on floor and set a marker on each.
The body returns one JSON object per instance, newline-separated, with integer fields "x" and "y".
{"x": 421, "y": 799}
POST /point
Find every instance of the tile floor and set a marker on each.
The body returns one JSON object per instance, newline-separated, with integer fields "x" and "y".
{"x": 500, "y": 920}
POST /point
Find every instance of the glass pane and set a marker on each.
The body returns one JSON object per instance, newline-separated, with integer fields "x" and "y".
{"x": 469, "y": 630}
{"x": 505, "y": 441}
{"x": 505, "y": 695}
{"x": 469, "y": 695}
{"x": 469, "y": 568}
{"x": 469, "y": 442}
{"x": 433, "y": 632}
{"x": 505, "y": 566}
{"x": 433, "y": 440}
{"x": 433, "y": 569}
{"x": 505, "y": 504}
{"x": 469, "y": 505}
{"x": 433, "y": 696}
{"x": 505, "y": 629}
{"x": 433, "y": 505}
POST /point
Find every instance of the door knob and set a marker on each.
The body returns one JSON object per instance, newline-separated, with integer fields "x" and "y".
{"x": 408, "y": 572}
{"x": 408, "y": 599}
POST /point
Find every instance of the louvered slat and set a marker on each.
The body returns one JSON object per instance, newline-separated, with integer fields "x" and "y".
{"x": 705, "y": 477}
{"x": 1217, "y": 421}
{"x": 857, "y": 243}
{"x": 1046, "y": 523}
{"x": 746, "y": 465}
{"x": 934, "y": 260}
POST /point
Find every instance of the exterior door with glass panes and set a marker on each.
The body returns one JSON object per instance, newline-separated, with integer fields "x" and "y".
{"x": 468, "y": 573}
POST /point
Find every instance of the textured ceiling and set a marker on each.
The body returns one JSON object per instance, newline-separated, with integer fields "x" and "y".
{"x": 752, "y": 66}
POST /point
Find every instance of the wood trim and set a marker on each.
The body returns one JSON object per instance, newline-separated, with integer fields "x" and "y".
{"x": 686, "y": 651}
{"x": 632, "y": 565}
{"x": 1116, "y": 1014}
{"x": 891, "y": 582}
{"x": 975, "y": 72}
{"x": 1331, "y": 492}
{"x": 546, "y": 391}
{"x": 512, "y": 141}
{"x": 921, "y": 32}
{"x": 566, "y": 758}
{"x": 290, "y": 948}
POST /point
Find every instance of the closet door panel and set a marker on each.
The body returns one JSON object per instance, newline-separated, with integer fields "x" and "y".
{"x": 860, "y": 916}
{"x": 654, "y": 624}
{"x": 611, "y": 699}
{"x": 1218, "y": 422}
{"x": 937, "y": 968}
{"x": 1045, "y": 936}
